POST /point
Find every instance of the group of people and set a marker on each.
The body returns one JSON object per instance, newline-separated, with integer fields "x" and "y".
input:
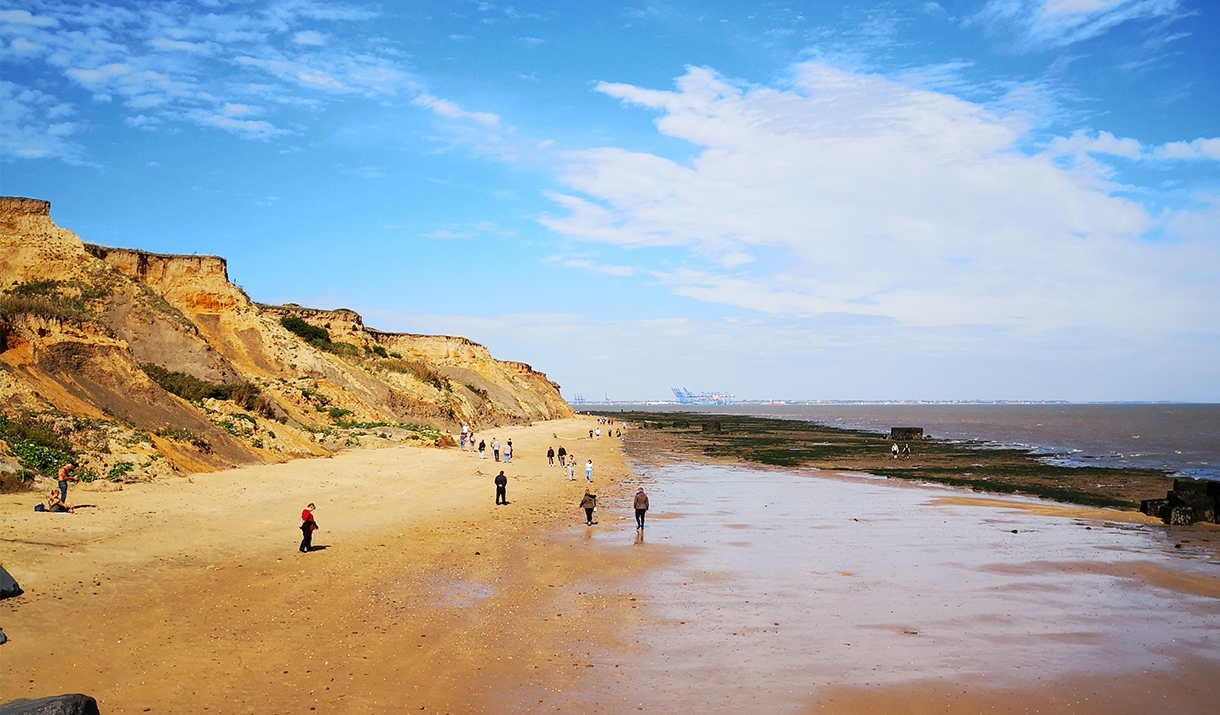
{"x": 467, "y": 440}
{"x": 904, "y": 452}
{"x": 567, "y": 461}
{"x": 57, "y": 498}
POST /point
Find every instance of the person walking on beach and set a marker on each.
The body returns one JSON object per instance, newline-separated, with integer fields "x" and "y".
{"x": 906, "y": 451}
{"x": 495, "y": 448}
{"x": 65, "y": 474}
{"x": 597, "y": 432}
{"x": 589, "y": 504}
{"x": 570, "y": 468}
{"x": 562, "y": 454}
{"x": 462, "y": 439}
{"x": 482, "y": 449}
{"x": 472, "y": 446}
{"x": 641, "y": 507}
{"x": 589, "y": 471}
{"x": 308, "y": 526}
{"x": 508, "y": 452}
{"x": 550, "y": 456}
{"x": 501, "y": 488}
{"x": 894, "y": 450}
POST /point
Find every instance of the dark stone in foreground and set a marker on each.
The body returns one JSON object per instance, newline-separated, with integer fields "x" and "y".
{"x": 1190, "y": 501}
{"x": 76, "y": 704}
{"x": 8, "y": 585}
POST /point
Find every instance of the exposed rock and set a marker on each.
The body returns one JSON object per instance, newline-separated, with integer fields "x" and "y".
{"x": 8, "y": 585}
{"x": 1190, "y": 501}
{"x": 76, "y": 704}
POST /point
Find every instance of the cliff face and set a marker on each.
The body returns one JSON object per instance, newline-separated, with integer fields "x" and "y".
{"x": 160, "y": 363}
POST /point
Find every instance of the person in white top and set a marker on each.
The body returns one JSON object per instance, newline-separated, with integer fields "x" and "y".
{"x": 589, "y": 470}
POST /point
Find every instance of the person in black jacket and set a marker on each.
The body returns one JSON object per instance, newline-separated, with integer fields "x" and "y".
{"x": 501, "y": 488}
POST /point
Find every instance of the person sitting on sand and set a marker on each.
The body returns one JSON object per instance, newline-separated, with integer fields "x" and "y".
{"x": 55, "y": 504}
{"x": 589, "y": 504}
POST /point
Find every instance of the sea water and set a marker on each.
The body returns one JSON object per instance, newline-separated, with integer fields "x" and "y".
{"x": 1183, "y": 439}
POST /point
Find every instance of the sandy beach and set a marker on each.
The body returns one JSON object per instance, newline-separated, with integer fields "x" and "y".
{"x": 772, "y": 591}
{"x": 189, "y": 595}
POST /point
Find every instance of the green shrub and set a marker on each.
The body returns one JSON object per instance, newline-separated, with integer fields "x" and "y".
{"x": 396, "y": 356}
{"x": 177, "y": 434}
{"x": 379, "y": 351}
{"x": 477, "y": 390}
{"x": 39, "y": 457}
{"x": 191, "y": 388}
{"x": 30, "y": 429}
{"x": 420, "y": 370}
{"x": 343, "y": 349}
{"x": 65, "y": 301}
{"x": 300, "y": 328}
{"x": 337, "y": 413}
{"x": 119, "y": 470}
{"x": 86, "y": 475}
{"x": 243, "y": 416}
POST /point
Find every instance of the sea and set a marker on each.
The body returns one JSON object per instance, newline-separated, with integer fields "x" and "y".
{"x": 1182, "y": 439}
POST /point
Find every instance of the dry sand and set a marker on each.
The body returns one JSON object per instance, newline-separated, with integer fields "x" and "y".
{"x": 189, "y": 596}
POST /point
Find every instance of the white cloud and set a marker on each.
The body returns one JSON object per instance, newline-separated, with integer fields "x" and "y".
{"x": 449, "y": 110}
{"x": 1063, "y": 22}
{"x": 309, "y": 37}
{"x": 856, "y": 194}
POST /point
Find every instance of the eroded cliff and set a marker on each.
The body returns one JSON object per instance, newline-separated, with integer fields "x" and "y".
{"x": 137, "y": 364}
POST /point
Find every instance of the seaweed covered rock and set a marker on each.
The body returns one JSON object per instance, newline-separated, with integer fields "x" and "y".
{"x": 1190, "y": 501}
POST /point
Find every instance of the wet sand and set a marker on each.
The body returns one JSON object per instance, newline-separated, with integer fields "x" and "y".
{"x": 812, "y": 592}
{"x": 770, "y": 591}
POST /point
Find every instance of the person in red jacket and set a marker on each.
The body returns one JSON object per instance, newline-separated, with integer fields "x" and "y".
{"x": 308, "y": 526}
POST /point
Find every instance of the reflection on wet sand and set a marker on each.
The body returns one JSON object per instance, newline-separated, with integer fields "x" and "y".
{"x": 787, "y": 589}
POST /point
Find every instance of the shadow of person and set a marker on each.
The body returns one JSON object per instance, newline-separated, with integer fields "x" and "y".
{"x": 319, "y": 547}
{"x": 639, "y": 536}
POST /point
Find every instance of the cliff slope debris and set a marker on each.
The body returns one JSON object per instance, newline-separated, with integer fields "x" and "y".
{"x": 134, "y": 364}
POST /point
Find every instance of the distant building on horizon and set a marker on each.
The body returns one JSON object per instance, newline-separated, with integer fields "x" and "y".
{"x": 703, "y": 398}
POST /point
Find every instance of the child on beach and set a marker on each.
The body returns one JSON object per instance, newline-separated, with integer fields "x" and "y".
{"x": 589, "y": 471}
{"x": 508, "y": 452}
{"x": 308, "y": 526}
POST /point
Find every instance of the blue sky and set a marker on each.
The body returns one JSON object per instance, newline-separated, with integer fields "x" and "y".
{"x": 1000, "y": 199}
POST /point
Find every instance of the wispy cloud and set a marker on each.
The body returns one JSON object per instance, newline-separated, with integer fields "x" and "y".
{"x": 449, "y": 110}
{"x": 1055, "y": 23}
{"x": 170, "y": 63}
{"x": 34, "y": 125}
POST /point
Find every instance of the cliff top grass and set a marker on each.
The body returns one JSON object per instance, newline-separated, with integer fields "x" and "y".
{"x": 975, "y": 465}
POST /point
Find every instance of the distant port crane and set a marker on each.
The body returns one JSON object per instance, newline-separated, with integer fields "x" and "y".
{"x": 703, "y": 398}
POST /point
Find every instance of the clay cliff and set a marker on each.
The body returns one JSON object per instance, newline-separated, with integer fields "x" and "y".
{"x": 136, "y": 364}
